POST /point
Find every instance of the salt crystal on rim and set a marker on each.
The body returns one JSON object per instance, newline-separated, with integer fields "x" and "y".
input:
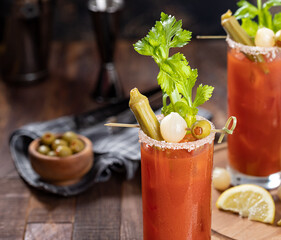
{"x": 269, "y": 52}
{"x": 143, "y": 138}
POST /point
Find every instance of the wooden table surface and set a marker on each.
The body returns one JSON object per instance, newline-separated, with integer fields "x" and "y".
{"x": 110, "y": 210}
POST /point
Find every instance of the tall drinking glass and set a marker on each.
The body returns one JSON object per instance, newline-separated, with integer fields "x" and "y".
{"x": 176, "y": 188}
{"x": 254, "y": 97}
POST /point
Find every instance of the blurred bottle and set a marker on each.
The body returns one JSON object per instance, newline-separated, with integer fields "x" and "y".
{"x": 25, "y": 32}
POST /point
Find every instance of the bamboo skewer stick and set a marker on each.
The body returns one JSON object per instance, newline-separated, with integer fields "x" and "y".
{"x": 211, "y": 37}
{"x": 122, "y": 125}
{"x": 137, "y": 126}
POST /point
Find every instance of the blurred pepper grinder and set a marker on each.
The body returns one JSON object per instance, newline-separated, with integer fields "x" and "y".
{"x": 105, "y": 17}
{"x": 26, "y": 33}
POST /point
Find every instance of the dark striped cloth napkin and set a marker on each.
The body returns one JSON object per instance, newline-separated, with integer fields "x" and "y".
{"x": 115, "y": 150}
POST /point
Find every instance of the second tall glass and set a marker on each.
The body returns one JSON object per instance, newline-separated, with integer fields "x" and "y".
{"x": 254, "y": 97}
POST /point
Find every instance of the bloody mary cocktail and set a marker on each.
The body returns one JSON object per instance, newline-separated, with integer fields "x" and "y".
{"x": 176, "y": 188}
{"x": 254, "y": 97}
{"x": 176, "y": 173}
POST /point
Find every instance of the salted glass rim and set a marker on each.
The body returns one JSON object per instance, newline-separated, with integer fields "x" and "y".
{"x": 272, "y": 52}
{"x": 143, "y": 138}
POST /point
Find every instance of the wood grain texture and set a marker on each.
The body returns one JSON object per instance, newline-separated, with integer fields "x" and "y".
{"x": 131, "y": 210}
{"x": 46, "y": 208}
{"x": 217, "y": 236}
{"x": 98, "y": 212}
{"x": 14, "y": 199}
{"x": 48, "y": 231}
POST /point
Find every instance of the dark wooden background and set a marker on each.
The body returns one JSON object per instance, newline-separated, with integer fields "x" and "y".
{"x": 72, "y": 21}
{"x": 139, "y": 15}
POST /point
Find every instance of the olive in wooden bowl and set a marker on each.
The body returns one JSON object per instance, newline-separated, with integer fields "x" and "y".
{"x": 61, "y": 161}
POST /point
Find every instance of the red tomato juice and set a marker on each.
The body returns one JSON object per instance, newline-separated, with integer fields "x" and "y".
{"x": 176, "y": 192}
{"x": 254, "y": 97}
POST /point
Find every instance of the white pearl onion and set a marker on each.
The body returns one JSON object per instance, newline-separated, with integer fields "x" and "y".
{"x": 173, "y": 127}
{"x": 221, "y": 178}
{"x": 265, "y": 37}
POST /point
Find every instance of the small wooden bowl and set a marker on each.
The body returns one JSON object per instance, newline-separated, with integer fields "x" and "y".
{"x": 62, "y": 170}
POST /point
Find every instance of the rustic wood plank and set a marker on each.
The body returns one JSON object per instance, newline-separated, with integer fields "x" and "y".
{"x": 98, "y": 212}
{"x": 47, "y": 208}
{"x": 48, "y": 231}
{"x": 14, "y": 198}
{"x": 131, "y": 210}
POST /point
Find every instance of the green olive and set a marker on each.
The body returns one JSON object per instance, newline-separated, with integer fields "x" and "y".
{"x": 58, "y": 142}
{"x": 201, "y": 129}
{"x": 43, "y": 149}
{"x": 63, "y": 151}
{"x": 76, "y": 145}
{"x": 68, "y": 136}
{"x": 52, "y": 154}
{"x": 47, "y": 138}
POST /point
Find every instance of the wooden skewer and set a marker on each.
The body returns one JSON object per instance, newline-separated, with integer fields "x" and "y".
{"x": 137, "y": 126}
{"x": 122, "y": 125}
{"x": 217, "y": 130}
{"x": 210, "y": 37}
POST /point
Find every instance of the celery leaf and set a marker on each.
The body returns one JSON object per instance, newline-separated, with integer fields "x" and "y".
{"x": 176, "y": 78}
{"x": 247, "y": 12}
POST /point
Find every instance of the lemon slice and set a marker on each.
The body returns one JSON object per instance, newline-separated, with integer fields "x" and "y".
{"x": 249, "y": 201}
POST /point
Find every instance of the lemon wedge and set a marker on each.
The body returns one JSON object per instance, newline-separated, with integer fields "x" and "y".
{"x": 250, "y": 201}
